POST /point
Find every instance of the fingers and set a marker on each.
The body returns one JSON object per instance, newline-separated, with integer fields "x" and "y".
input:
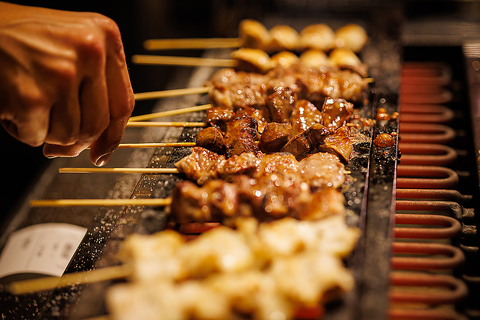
{"x": 92, "y": 97}
{"x": 120, "y": 97}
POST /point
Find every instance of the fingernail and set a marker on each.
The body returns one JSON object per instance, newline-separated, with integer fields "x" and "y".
{"x": 103, "y": 159}
{"x": 51, "y": 157}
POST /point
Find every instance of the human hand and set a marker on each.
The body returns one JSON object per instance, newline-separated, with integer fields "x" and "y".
{"x": 64, "y": 81}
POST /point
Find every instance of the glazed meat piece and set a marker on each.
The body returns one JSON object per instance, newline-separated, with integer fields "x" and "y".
{"x": 338, "y": 143}
{"x": 280, "y": 104}
{"x": 336, "y": 113}
{"x": 201, "y": 165}
{"x": 317, "y": 36}
{"x": 304, "y": 115}
{"x": 240, "y": 136}
{"x": 299, "y": 146}
{"x": 306, "y": 142}
{"x": 211, "y": 138}
{"x": 274, "y": 136}
{"x": 315, "y": 85}
{"x": 219, "y": 116}
{"x": 233, "y": 89}
{"x": 245, "y": 163}
{"x": 252, "y": 60}
{"x": 283, "y": 163}
{"x": 215, "y": 200}
{"x": 284, "y": 38}
{"x": 261, "y": 116}
{"x": 322, "y": 170}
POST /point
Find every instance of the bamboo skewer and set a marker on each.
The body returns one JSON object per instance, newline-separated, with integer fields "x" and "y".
{"x": 156, "y": 145}
{"x": 48, "y": 283}
{"x": 183, "y": 61}
{"x": 202, "y": 43}
{"x": 170, "y": 113}
{"x": 170, "y": 93}
{"x": 100, "y": 202}
{"x": 166, "y": 124}
{"x": 119, "y": 170}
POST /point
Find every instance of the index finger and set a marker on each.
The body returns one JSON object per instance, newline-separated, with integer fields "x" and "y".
{"x": 120, "y": 96}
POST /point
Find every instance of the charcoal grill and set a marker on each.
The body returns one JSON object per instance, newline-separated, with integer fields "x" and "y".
{"x": 418, "y": 256}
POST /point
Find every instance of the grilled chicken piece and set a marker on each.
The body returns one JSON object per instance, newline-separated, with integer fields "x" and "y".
{"x": 261, "y": 116}
{"x": 336, "y": 113}
{"x": 219, "y": 116}
{"x": 211, "y": 138}
{"x": 214, "y": 201}
{"x": 284, "y": 38}
{"x": 268, "y": 197}
{"x": 252, "y": 60}
{"x": 201, "y": 165}
{"x": 239, "y": 89}
{"x": 254, "y": 34}
{"x": 317, "y": 36}
{"x": 306, "y": 142}
{"x": 338, "y": 143}
{"x": 322, "y": 170}
{"x": 344, "y": 57}
{"x": 304, "y": 116}
{"x": 299, "y": 146}
{"x": 314, "y": 58}
{"x": 280, "y": 104}
{"x": 283, "y": 163}
{"x": 274, "y": 136}
{"x": 241, "y": 135}
{"x": 246, "y": 163}
{"x": 351, "y": 36}
{"x": 284, "y": 59}
{"x": 315, "y": 85}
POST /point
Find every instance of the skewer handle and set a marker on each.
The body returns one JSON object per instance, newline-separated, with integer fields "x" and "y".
{"x": 166, "y": 124}
{"x": 48, "y": 283}
{"x": 118, "y": 170}
{"x": 157, "y": 145}
{"x": 170, "y": 93}
{"x": 184, "y": 61}
{"x": 168, "y": 44}
{"x": 100, "y": 202}
{"x": 170, "y": 113}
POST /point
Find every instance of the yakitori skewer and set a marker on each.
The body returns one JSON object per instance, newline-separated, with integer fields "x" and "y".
{"x": 253, "y": 34}
{"x": 166, "y": 124}
{"x": 202, "y": 43}
{"x": 100, "y": 202}
{"x": 156, "y": 145}
{"x": 170, "y": 113}
{"x": 183, "y": 61}
{"x": 84, "y": 277}
{"x": 170, "y": 93}
{"x": 119, "y": 170}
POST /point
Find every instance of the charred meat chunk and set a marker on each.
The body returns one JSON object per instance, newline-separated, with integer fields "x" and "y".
{"x": 280, "y": 104}
{"x": 336, "y": 112}
{"x": 201, "y": 165}
{"x": 274, "y": 136}
{"x": 211, "y": 138}
{"x": 322, "y": 170}
{"x": 219, "y": 116}
{"x": 299, "y": 146}
{"x": 306, "y": 142}
{"x": 258, "y": 115}
{"x": 241, "y": 135}
{"x": 304, "y": 115}
{"x": 338, "y": 143}
{"x": 214, "y": 201}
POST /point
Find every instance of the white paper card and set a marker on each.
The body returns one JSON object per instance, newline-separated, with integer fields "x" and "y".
{"x": 43, "y": 248}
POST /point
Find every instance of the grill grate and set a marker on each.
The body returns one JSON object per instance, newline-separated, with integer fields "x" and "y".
{"x": 427, "y": 196}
